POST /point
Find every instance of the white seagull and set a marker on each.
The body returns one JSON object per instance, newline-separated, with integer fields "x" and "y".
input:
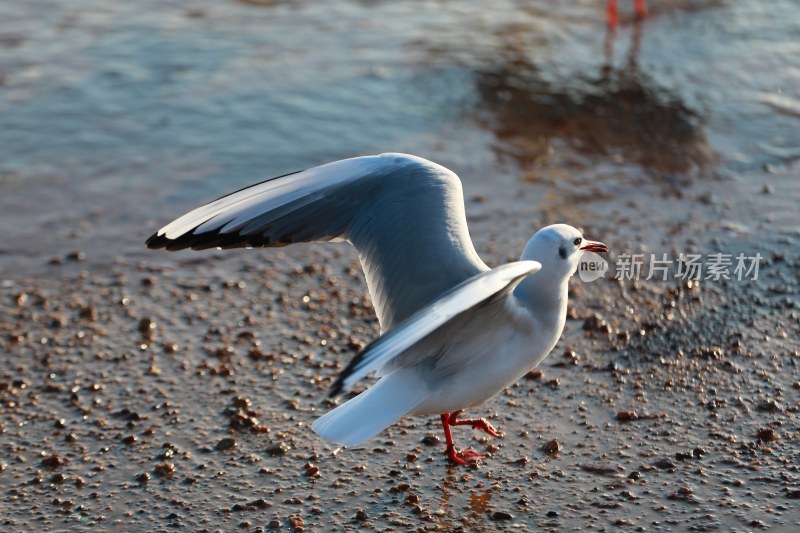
{"x": 456, "y": 331}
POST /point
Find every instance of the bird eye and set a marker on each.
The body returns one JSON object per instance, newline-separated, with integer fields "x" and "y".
{"x": 578, "y": 241}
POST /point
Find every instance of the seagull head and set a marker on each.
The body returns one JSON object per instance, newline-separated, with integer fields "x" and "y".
{"x": 559, "y": 248}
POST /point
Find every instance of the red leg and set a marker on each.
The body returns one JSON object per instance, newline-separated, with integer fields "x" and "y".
{"x": 476, "y": 423}
{"x": 612, "y": 18}
{"x": 464, "y": 457}
{"x": 641, "y": 9}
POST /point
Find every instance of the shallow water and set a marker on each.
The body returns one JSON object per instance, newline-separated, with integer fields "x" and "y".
{"x": 116, "y": 117}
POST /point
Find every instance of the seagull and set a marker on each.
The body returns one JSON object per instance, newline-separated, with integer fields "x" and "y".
{"x": 454, "y": 331}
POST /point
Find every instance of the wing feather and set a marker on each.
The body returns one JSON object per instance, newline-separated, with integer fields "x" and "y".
{"x": 406, "y": 335}
{"x": 404, "y": 214}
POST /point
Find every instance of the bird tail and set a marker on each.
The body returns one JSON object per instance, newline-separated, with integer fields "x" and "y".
{"x": 372, "y": 411}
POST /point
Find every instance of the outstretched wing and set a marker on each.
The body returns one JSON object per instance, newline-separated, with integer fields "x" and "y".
{"x": 404, "y": 214}
{"x": 457, "y": 301}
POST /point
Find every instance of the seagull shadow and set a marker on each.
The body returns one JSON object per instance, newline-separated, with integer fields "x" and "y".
{"x": 618, "y": 113}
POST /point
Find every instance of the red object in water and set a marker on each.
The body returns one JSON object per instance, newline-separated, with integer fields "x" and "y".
{"x": 612, "y": 16}
{"x": 467, "y": 456}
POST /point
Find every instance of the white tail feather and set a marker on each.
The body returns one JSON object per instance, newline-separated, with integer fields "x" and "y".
{"x": 372, "y": 411}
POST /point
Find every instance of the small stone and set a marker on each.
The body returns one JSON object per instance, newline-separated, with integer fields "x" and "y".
{"x": 534, "y": 374}
{"x": 241, "y": 403}
{"x": 664, "y": 464}
{"x": 143, "y": 478}
{"x": 278, "y": 448}
{"x": 129, "y": 440}
{"x": 627, "y": 416}
{"x": 551, "y": 447}
{"x": 312, "y": 471}
{"x": 596, "y": 323}
{"x": 635, "y": 475}
{"x": 165, "y": 469}
{"x": 502, "y": 515}
{"x": 402, "y": 487}
{"x": 769, "y": 406}
{"x": 361, "y": 515}
{"x": 766, "y": 435}
{"x": 147, "y": 326}
{"x": 225, "y": 444}
{"x": 683, "y": 494}
{"x": 53, "y": 461}
{"x": 430, "y": 440}
{"x": 260, "y": 503}
{"x": 552, "y": 514}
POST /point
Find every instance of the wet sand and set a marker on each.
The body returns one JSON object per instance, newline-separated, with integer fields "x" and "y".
{"x": 153, "y": 391}
{"x": 179, "y": 392}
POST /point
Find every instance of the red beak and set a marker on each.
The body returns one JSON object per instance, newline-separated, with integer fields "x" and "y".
{"x": 594, "y": 246}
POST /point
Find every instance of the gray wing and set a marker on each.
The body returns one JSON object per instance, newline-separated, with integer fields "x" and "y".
{"x": 389, "y": 350}
{"x": 404, "y": 214}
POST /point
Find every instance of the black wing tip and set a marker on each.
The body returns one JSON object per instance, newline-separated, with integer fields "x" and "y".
{"x": 337, "y": 387}
{"x": 338, "y": 384}
{"x": 156, "y": 241}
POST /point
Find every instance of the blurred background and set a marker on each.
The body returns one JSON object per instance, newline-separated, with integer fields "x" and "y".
{"x": 115, "y": 117}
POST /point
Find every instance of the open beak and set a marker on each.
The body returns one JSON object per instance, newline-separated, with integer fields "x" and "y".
{"x": 594, "y": 246}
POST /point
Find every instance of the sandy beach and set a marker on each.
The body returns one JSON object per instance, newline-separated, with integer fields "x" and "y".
{"x": 151, "y": 391}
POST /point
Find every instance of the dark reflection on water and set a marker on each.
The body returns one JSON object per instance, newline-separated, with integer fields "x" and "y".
{"x": 617, "y": 111}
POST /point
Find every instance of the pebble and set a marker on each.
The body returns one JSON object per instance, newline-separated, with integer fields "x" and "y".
{"x": 502, "y": 515}
{"x": 430, "y": 440}
{"x": 165, "y": 469}
{"x": 53, "y": 461}
{"x": 225, "y": 444}
{"x": 769, "y": 406}
{"x": 147, "y": 327}
{"x": 278, "y": 448}
{"x": 312, "y": 471}
{"x": 551, "y": 447}
{"x": 664, "y": 464}
{"x": 766, "y": 435}
{"x": 596, "y": 323}
{"x": 534, "y": 374}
